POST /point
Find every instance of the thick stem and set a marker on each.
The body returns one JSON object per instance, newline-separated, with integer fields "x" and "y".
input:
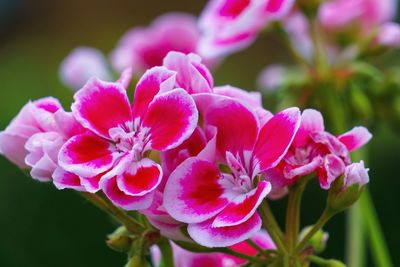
{"x": 293, "y": 214}
{"x": 167, "y": 256}
{"x": 270, "y": 224}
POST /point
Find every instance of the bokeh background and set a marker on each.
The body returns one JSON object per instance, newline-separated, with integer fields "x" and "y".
{"x": 41, "y": 226}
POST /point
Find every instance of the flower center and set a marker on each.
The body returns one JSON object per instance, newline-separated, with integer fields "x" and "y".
{"x": 128, "y": 140}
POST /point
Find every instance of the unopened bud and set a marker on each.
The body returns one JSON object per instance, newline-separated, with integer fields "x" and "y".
{"x": 119, "y": 240}
{"x": 318, "y": 241}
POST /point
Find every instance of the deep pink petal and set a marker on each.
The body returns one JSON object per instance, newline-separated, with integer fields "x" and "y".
{"x": 120, "y": 199}
{"x": 355, "y": 138}
{"x": 66, "y": 180}
{"x": 242, "y": 207}
{"x": 206, "y": 235}
{"x": 291, "y": 172}
{"x": 192, "y": 76}
{"x": 230, "y": 117}
{"x": 91, "y": 184}
{"x": 278, "y": 8}
{"x": 150, "y": 84}
{"x": 275, "y": 138}
{"x": 100, "y": 106}
{"x": 87, "y": 155}
{"x": 311, "y": 122}
{"x": 170, "y": 119}
{"x": 140, "y": 178}
{"x": 184, "y": 196}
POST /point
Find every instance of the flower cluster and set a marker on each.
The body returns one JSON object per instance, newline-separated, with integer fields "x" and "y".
{"x": 157, "y": 156}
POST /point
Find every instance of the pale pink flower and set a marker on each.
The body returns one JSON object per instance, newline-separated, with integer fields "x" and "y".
{"x": 388, "y": 35}
{"x": 231, "y": 25}
{"x": 82, "y": 64}
{"x": 35, "y": 117}
{"x": 145, "y": 47}
{"x": 184, "y": 258}
{"x": 119, "y": 134}
{"x": 227, "y": 214}
{"x": 356, "y": 173}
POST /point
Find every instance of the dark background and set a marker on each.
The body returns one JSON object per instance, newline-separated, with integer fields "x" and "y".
{"x": 41, "y": 226}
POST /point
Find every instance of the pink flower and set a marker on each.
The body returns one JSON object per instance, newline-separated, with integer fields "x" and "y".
{"x": 192, "y": 75}
{"x": 367, "y": 13}
{"x": 356, "y": 173}
{"x": 82, "y": 64}
{"x": 227, "y": 214}
{"x": 315, "y": 150}
{"x": 231, "y": 25}
{"x": 35, "y": 117}
{"x": 121, "y": 135}
{"x": 143, "y": 48}
{"x": 388, "y": 35}
{"x": 184, "y": 258}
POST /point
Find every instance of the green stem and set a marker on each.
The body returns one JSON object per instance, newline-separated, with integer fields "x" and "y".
{"x": 380, "y": 252}
{"x": 320, "y": 57}
{"x": 325, "y": 216}
{"x": 293, "y": 214}
{"x": 167, "y": 256}
{"x": 104, "y": 204}
{"x": 270, "y": 224}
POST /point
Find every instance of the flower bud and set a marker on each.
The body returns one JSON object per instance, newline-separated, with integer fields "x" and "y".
{"x": 318, "y": 241}
{"x": 346, "y": 190}
{"x": 119, "y": 240}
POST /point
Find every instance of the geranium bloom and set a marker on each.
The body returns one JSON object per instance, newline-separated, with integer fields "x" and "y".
{"x": 367, "y": 13}
{"x": 227, "y": 213}
{"x": 82, "y": 64}
{"x": 120, "y": 136}
{"x": 35, "y": 117}
{"x": 230, "y": 25}
{"x": 142, "y": 48}
{"x": 184, "y": 258}
{"x": 315, "y": 150}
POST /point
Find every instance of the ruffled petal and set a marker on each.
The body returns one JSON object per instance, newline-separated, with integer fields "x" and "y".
{"x": 311, "y": 122}
{"x": 208, "y": 236}
{"x": 332, "y": 168}
{"x": 184, "y": 195}
{"x": 100, "y": 106}
{"x": 237, "y": 126}
{"x": 192, "y": 76}
{"x": 120, "y": 199}
{"x": 87, "y": 155}
{"x": 170, "y": 119}
{"x": 355, "y": 138}
{"x": 150, "y": 84}
{"x": 67, "y": 180}
{"x": 251, "y": 99}
{"x": 275, "y": 138}
{"x": 242, "y": 207}
{"x": 140, "y": 178}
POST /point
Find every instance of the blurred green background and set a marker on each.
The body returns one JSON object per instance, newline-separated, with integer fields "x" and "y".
{"x": 41, "y": 226}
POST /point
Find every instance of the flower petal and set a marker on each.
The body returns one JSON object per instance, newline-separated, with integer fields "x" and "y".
{"x": 275, "y": 137}
{"x": 120, "y": 199}
{"x": 170, "y": 119}
{"x": 150, "y": 84}
{"x": 333, "y": 167}
{"x": 206, "y": 235}
{"x": 252, "y": 99}
{"x": 184, "y": 196}
{"x": 140, "y": 178}
{"x": 355, "y": 138}
{"x": 192, "y": 76}
{"x": 230, "y": 117}
{"x": 100, "y": 106}
{"x": 63, "y": 179}
{"x": 311, "y": 122}
{"x": 242, "y": 207}
{"x": 87, "y": 155}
